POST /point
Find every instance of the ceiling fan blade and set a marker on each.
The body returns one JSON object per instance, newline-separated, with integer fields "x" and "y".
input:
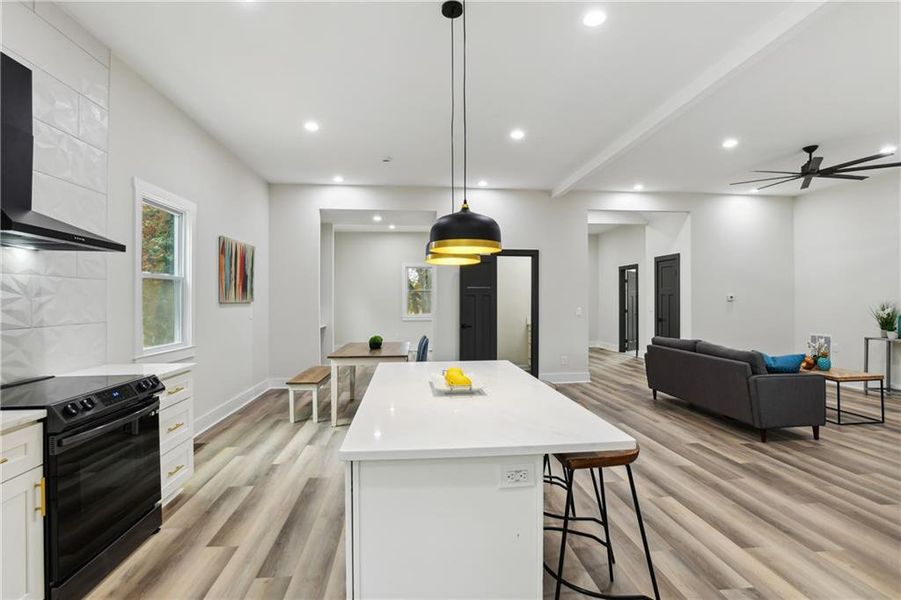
{"x": 834, "y": 168}
{"x": 766, "y": 179}
{"x": 783, "y": 172}
{"x": 806, "y": 183}
{"x": 779, "y": 182}
{"x": 835, "y": 176}
{"x": 882, "y": 166}
{"x": 813, "y": 164}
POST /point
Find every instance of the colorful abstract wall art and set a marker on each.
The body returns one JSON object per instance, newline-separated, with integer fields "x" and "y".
{"x": 235, "y": 271}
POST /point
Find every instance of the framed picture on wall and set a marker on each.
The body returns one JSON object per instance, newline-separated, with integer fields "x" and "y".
{"x": 235, "y": 271}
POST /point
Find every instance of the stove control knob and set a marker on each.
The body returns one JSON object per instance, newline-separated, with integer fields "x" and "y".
{"x": 87, "y": 404}
{"x": 71, "y": 409}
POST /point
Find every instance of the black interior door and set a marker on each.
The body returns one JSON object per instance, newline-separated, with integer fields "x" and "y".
{"x": 628, "y": 308}
{"x": 478, "y": 310}
{"x": 666, "y": 289}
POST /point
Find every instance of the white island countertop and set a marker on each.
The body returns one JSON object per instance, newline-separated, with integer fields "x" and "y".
{"x": 10, "y": 419}
{"x": 161, "y": 370}
{"x": 402, "y": 417}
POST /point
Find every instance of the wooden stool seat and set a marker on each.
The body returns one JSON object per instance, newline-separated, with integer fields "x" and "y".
{"x": 597, "y": 460}
{"x": 308, "y": 380}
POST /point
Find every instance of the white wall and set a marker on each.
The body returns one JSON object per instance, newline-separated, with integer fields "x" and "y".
{"x": 593, "y": 289}
{"x": 737, "y": 244}
{"x": 152, "y": 139}
{"x": 54, "y": 313}
{"x": 368, "y": 287}
{"x": 624, "y": 245}
{"x": 514, "y": 303}
{"x": 846, "y": 244}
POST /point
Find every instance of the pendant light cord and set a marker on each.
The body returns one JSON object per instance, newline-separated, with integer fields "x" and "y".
{"x": 465, "y": 143}
{"x": 453, "y": 99}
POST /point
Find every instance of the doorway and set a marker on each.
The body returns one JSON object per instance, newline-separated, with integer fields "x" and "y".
{"x": 509, "y": 281}
{"x": 666, "y": 296}
{"x": 628, "y": 308}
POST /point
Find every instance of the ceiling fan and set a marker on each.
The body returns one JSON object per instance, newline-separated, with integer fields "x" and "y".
{"x": 811, "y": 169}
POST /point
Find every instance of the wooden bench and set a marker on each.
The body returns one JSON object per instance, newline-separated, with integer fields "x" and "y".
{"x": 307, "y": 381}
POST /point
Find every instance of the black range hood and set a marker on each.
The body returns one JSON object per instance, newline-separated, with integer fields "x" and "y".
{"x": 20, "y": 226}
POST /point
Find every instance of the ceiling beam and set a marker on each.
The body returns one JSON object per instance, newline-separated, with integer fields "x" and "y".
{"x": 748, "y": 49}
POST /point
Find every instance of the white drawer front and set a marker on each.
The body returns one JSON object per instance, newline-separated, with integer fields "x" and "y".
{"x": 21, "y": 450}
{"x": 178, "y": 388}
{"x": 176, "y": 467}
{"x": 176, "y": 424}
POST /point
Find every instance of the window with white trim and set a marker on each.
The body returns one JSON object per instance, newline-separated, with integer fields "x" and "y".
{"x": 164, "y": 244}
{"x": 418, "y": 292}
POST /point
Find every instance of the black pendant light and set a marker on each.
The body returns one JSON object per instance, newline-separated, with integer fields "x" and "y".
{"x": 461, "y": 236}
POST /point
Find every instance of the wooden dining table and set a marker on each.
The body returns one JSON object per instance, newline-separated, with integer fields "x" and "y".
{"x": 356, "y": 354}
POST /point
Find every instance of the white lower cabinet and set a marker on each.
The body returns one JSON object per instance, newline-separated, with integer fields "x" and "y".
{"x": 176, "y": 433}
{"x": 22, "y": 534}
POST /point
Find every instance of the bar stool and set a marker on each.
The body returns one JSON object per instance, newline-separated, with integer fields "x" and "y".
{"x": 593, "y": 461}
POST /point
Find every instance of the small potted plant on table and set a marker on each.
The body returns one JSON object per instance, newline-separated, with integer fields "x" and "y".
{"x": 375, "y": 342}
{"x": 886, "y": 315}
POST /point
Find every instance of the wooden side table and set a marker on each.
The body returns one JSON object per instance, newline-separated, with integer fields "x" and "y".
{"x": 840, "y": 376}
{"x": 889, "y": 343}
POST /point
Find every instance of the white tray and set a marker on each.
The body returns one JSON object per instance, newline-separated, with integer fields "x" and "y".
{"x": 440, "y": 386}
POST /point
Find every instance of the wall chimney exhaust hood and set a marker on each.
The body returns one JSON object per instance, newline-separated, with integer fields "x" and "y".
{"x": 20, "y": 226}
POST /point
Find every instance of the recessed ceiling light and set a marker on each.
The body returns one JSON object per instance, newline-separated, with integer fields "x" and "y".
{"x": 638, "y": 187}
{"x": 754, "y": 191}
{"x": 376, "y": 218}
{"x": 391, "y": 226}
{"x": 517, "y": 134}
{"x": 593, "y": 18}
{"x": 887, "y": 150}
{"x": 729, "y": 143}
{"x": 482, "y": 183}
{"x": 338, "y": 179}
{"x": 311, "y": 126}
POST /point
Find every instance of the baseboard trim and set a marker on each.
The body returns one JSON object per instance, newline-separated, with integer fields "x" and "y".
{"x": 230, "y": 407}
{"x": 573, "y": 377}
{"x": 277, "y": 383}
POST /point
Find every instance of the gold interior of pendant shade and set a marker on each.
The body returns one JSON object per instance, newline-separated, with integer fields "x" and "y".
{"x": 464, "y": 246}
{"x": 453, "y": 260}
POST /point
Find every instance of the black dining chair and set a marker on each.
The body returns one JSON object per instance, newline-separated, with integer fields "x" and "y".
{"x": 422, "y": 351}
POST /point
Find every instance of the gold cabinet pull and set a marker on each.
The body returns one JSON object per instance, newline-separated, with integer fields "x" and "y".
{"x": 3, "y": 459}
{"x": 43, "y": 507}
{"x": 175, "y": 390}
{"x": 178, "y": 425}
{"x": 176, "y": 470}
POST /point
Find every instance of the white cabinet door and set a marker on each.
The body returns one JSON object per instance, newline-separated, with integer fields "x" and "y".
{"x": 22, "y": 536}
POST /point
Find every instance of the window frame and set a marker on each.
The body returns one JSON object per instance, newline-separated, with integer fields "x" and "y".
{"x": 146, "y": 193}
{"x": 403, "y": 291}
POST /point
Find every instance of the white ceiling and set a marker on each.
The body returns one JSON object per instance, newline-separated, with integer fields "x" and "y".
{"x": 646, "y": 97}
{"x": 388, "y": 220}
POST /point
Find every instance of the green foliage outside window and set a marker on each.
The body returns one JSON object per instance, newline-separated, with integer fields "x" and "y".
{"x": 161, "y": 297}
{"x": 419, "y": 291}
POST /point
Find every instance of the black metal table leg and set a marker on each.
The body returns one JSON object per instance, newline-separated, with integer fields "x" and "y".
{"x": 644, "y": 537}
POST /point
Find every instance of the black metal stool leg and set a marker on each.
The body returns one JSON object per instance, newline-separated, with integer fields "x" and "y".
{"x": 569, "y": 498}
{"x": 602, "y": 507}
{"x": 644, "y": 537}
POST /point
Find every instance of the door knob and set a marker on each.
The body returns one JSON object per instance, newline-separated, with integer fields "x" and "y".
{"x": 465, "y": 325}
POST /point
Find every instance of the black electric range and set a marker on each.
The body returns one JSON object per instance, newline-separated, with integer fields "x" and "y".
{"x": 102, "y": 471}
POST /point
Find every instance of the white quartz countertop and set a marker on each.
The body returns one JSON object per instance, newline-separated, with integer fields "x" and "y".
{"x": 402, "y": 417}
{"x": 161, "y": 370}
{"x": 10, "y": 419}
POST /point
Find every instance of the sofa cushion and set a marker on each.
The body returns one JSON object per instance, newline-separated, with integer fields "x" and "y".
{"x": 752, "y": 357}
{"x": 677, "y": 343}
{"x": 789, "y": 363}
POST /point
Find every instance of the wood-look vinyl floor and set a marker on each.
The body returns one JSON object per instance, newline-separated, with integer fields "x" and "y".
{"x": 727, "y": 516}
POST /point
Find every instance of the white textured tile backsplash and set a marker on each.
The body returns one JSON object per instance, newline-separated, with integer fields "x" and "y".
{"x": 53, "y": 307}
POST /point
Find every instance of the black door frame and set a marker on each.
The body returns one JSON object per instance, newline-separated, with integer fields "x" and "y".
{"x": 533, "y": 254}
{"x": 678, "y": 307}
{"x": 622, "y": 308}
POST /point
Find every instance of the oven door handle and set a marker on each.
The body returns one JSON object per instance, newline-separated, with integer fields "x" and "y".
{"x": 64, "y": 443}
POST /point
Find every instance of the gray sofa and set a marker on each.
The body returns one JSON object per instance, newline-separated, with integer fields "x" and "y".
{"x": 735, "y": 384}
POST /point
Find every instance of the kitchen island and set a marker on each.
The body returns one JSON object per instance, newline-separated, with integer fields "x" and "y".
{"x": 444, "y": 494}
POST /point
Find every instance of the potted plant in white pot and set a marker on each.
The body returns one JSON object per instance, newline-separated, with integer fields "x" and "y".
{"x": 886, "y": 315}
